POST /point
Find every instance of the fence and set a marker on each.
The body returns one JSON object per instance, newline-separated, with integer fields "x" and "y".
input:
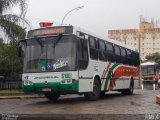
{"x": 11, "y": 84}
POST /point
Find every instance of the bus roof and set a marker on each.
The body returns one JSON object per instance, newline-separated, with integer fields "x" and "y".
{"x": 75, "y": 29}
{"x": 148, "y": 63}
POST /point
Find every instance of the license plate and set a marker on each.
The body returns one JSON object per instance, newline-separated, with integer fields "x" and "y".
{"x": 46, "y": 89}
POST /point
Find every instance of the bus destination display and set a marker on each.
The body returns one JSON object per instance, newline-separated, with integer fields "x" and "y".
{"x": 50, "y": 31}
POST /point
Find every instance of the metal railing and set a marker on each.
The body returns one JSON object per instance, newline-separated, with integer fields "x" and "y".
{"x": 10, "y": 84}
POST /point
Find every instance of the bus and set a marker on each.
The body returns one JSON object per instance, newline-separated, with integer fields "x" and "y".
{"x": 149, "y": 71}
{"x": 61, "y": 60}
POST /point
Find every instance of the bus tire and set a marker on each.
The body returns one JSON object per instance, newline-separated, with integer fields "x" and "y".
{"x": 52, "y": 96}
{"x": 91, "y": 96}
{"x": 102, "y": 95}
{"x": 130, "y": 90}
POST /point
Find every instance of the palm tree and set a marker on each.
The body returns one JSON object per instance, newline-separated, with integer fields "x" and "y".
{"x": 11, "y": 24}
{"x": 155, "y": 57}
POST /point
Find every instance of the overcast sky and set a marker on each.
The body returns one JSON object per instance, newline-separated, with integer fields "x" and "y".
{"x": 97, "y": 16}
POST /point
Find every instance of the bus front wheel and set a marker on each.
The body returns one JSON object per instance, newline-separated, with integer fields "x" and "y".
{"x": 52, "y": 96}
{"x": 96, "y": 92}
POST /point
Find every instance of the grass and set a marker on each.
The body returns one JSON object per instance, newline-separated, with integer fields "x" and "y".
{"x": 8, "y": 91}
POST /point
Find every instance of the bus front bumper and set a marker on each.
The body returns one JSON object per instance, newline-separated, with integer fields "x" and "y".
{"x": 54, "y": 87}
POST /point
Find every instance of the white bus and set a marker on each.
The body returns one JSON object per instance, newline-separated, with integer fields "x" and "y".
{"x": 63, "y": 60}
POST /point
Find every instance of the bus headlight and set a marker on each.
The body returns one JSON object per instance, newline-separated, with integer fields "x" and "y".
{"x": 68, "y": 81}
{"x": 27, "y": 82}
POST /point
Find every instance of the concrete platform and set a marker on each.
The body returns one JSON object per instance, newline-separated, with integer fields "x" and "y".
{"x": 158, "y": 99}
{"x": 21, "y": 97}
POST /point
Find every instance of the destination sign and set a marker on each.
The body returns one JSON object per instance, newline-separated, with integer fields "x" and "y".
{"x": 50, "y": 31}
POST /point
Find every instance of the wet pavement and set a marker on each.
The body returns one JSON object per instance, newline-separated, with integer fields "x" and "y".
{"x": 142, "y": 102}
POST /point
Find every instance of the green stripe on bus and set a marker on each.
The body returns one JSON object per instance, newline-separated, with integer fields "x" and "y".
{"x": 109, "y": 75}
{"x": 55, "y": 86}
{"x": 104, "y": 71}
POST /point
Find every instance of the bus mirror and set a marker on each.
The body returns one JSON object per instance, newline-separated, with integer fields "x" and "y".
{"x": 81, "y": 35}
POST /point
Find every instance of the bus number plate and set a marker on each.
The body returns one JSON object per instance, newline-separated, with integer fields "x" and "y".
{"x": 46, "y": 89}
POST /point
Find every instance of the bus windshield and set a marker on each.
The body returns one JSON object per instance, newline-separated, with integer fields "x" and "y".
{"x": 148, "y": 70}
{"x": 48, "y": 54}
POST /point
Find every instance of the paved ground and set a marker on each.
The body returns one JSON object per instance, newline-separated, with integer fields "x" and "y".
{"x": 142, "y": 102}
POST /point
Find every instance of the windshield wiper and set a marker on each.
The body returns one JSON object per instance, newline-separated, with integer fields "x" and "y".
{"x": 39, "y": 42}
{"x": 58, "y": 39}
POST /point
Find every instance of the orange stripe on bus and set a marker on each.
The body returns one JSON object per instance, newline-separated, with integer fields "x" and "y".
{"x": 123, "y": 71}
{"x": 106, "y": 72}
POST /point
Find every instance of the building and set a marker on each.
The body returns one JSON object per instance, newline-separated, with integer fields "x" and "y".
{"x": 146, "y": 38}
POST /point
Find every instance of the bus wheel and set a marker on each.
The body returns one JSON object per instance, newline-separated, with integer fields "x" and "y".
{"x": 130, "y": 90}
{"x": 102, "y": 95}
{"x": 52, "y": 96}
{"x": 96, "y": 91}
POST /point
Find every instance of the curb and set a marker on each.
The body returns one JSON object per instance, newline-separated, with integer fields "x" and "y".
{"x": 158, "y": 99}
{"x": 21, "y": 97}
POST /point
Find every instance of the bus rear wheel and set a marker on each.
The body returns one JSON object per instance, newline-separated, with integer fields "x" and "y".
{"x": 130, "y": 90}
{"x": 52, "y": 96}
{"x": 96, "y": 92}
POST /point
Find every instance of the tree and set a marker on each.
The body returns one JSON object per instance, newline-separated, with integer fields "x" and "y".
{"x": 155, "y": 57}
{"x": 10, "y": 63}
{"x": 11, "y": 23}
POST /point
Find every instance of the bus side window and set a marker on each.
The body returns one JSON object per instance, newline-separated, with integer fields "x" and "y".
{"x": 129, "y": 57}
{"x": 124, "y": 55}
{"x": 93, "y": 48}
{"x": 85, "y": 49}
{"x": 135, "y": 59}
{"x": 117, "y": 54}
{"x": 110, "y": 52}
{"x": 82, "y": 53}
{"x": 102, "y": 49}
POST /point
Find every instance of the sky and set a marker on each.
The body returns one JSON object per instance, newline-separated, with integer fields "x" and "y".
{"x": 97, "y": 16}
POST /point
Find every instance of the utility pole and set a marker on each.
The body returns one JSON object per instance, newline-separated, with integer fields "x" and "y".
{"x": 139, "y": 42}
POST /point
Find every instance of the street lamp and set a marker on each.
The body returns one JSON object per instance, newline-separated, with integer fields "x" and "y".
{"x": 77, "y": 8}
